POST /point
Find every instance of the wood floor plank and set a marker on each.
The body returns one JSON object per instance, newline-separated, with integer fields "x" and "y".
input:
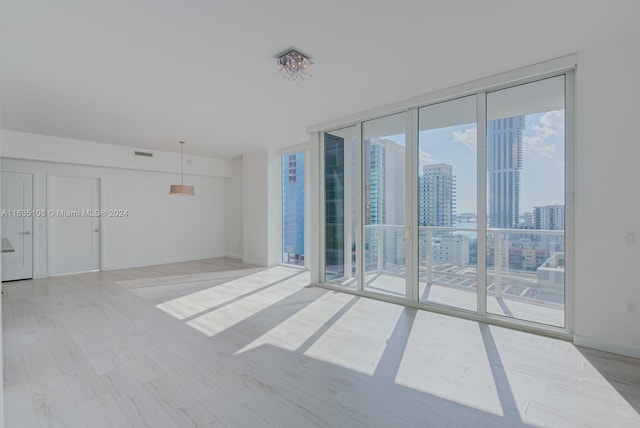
{"x": 184, "y": 409}
{"x": 140, "y": 408}
{"x": 17, "y": 390}
{"x": 103, "y": 412}
{"x": 53, "y": 401}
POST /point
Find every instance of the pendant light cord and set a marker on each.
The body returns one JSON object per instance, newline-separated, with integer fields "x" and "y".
{"x": 181, "y": 163}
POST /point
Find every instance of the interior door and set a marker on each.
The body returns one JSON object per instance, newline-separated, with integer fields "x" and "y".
{"x": 74, "y": 225}
{"x": 17, "y": 225}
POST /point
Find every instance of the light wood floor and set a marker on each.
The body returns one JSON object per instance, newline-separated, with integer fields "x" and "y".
{"x": 216, "y": 343}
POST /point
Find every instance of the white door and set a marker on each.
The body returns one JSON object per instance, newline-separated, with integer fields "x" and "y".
{"x": 74, "y": 226}
{"x": 17, "y": 225}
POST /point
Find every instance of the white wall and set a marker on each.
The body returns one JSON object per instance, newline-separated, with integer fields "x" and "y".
{"x": 607, "y": 198}
{"x": 262, "y": 219}
{"x": 255, "y": 217}
{"x": 159, "y": 228}
{"x": 274, "y": 171}
{"x": 233, "y": 211}
{"x": 22, "y": 145}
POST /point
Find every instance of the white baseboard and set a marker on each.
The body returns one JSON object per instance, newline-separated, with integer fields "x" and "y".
{"x": 162, "y": 262}
{"x": 603, "y": 345}
{"x": 234, "y": 256}
{"x": 253, "y": 262}
{"x": 147, "y": 263}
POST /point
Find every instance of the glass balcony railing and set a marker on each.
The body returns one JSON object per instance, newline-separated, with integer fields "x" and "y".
{"x": 384, "y": 259}
{"x": 525, "y": 269}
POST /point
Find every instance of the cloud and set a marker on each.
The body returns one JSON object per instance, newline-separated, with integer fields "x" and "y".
{"x": 427, "y": 158}
{"x": 468, "y": 137}
{"x": 538, "y": 147}
{"x": 550, "y": 124}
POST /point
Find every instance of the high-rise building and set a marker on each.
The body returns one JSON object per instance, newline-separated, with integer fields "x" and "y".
{"x": 293, "y": 208}
{"x": 549, "y": 217}
{"x": 384, "y": 198}
{"x": 504, "y": 164}
{"x": 384, "y": 182}
{"x": 334, "y": 206}
{"x": 436, "y": 196}
{"x": 451, "y": 249}
{"x": 436, "y": 208}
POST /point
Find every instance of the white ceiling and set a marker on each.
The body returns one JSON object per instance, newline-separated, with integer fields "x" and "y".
{"x": 148, "y": 73}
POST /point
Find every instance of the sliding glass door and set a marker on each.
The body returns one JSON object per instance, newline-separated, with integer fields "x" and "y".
{"x": 383, "y": 179}
{"x": 341, "y": 207}
{"x": 525, "y": 201}
{"x": 447, "y": 203}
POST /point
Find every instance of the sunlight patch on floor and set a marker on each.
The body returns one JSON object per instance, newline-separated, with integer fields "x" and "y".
{"x": 201, "y": 301}
{"x": 296, "y": 330}
{"x": 433, "y": 356}
{"x": 359, "y": 338}
{"x": 218, "y": 320}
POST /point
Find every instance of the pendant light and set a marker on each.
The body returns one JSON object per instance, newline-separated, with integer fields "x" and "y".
{"x": 181, "y": 189}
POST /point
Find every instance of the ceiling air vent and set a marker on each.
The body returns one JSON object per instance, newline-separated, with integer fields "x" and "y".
{"x": 147, "y": 154}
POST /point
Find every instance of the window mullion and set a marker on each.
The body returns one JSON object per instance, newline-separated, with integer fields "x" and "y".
{"x": 481, "y": 219}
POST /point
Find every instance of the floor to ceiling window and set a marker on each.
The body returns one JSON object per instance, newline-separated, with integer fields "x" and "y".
{"x": 341, "y": 207}
{"x": 525, "y": 202}
{"x": 458, "y": 204}
{"x": 293, "y": 208}
{"x": 383, "y": 185}
{"x": 447, "y": 203}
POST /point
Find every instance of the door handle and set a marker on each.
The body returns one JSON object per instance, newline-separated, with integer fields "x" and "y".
{"x": 25, "y": 233}
{"x": 96, "y": 230}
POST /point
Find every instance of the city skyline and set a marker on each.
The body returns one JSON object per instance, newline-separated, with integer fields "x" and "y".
{"x": 542, "y": 175}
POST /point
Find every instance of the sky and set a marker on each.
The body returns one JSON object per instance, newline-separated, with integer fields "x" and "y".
{"x": 543, "y": 167}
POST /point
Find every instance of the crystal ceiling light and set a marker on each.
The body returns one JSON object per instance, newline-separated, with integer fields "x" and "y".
{"x": 293, "y": 65}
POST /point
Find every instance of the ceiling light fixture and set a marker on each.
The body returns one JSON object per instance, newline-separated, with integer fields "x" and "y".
{"x": 181, "y": 189}
{"x": 292, "y": 65}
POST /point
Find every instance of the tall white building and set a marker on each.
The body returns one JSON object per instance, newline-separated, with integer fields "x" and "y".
{"x": 452, "y": 249}
{"x": 504, "y": 164}
{"x": 436, "y": 208}
{"x": 436, "y": 196}
{"x": 384, "y": 182}
{"x": 528, "y": 220}
{"x": 384, "y": 193}
{"x": 549, "y": 217}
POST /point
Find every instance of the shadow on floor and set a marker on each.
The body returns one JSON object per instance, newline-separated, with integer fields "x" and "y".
{"x": 300, "y": 379}
{"x": 615, "y": 369}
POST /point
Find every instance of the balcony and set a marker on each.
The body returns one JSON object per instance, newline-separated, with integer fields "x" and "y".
{"x": 525, "y": 269}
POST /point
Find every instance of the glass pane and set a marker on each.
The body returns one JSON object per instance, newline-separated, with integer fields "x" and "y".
{"x": 293, "y": 208}
{"x": 525, "y": 184}
{"x": 341, "y": 185}
{"x": 447, "y": 186}
{"x": 383, "y": 176}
